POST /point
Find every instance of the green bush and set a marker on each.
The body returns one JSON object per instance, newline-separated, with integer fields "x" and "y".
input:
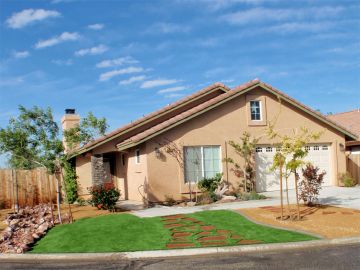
{"x": 250, "y": 196}
{"x": 347, "y": 180}
{"x": 70, "y": 180}
{"x": 104, "y": 196}
{"x": 210, "y": 185}
{"x": 169, "y": 200}
{"x": 81, "y": 201}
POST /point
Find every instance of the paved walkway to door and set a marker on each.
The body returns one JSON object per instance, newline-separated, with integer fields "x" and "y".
{"x": 337, "y": 196}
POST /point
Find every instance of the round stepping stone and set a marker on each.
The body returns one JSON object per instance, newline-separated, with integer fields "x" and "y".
{"x": 203, "y": 233}
{"x": 173, "y": 225}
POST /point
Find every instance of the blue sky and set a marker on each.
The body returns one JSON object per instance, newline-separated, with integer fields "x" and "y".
{"x": 123, "y": 59}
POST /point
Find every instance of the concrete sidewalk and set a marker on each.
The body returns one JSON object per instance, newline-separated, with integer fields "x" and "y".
{"x": 336, "y": 196}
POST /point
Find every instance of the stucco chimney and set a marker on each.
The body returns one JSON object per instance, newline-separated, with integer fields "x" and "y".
{"x": 69, "y": 120}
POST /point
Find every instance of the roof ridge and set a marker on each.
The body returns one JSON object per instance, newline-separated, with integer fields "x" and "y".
{"x": 354, "y": 110}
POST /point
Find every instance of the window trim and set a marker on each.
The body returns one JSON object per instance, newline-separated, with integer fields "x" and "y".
{"x": 137, "y": 156}
{"x": 260, "y": 110}
{"x": 202, "y": 161}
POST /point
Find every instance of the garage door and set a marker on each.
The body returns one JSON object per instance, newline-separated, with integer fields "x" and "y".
{"x": 319, "y": 155}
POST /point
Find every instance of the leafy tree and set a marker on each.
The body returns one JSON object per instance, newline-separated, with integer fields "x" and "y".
{"x": 89, "y": 129}
{"x": 310, "y": 186}
{"x": 245, "y": 150}
{"x": 31, "y": 140}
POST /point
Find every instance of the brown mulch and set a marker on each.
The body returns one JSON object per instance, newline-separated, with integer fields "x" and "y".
{"x": 326, "y": 221}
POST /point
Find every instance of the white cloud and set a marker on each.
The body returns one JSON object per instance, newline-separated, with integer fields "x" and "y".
{"x": 117, "y": 62}
{"x": 92, "y": 51}
{"x": 172, "y": 89}
{"x": 132, "y": 80}
{"x": 96, "y": 26}
{"x": 66, "y": 36}
{"x": 22, "y": 54}
{"x": 174, "y": 95}
{"x": 168, "y": 28}
{"x": 299, "y": 27}
{"x": 11, "y": 81}
{"x": 261, "y": 14}
{"x": 108, "y": 75}
{"x": 27, "y": 16}
{"x": 157, "y": 82}
{"x": 59, "y": 62}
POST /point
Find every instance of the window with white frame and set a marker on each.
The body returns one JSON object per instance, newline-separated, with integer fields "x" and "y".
{"x": 255, "y": 110}
{"x": 201, "y": 162}
{"x": 137, "y": 156}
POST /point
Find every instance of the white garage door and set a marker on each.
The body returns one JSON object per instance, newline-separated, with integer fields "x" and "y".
{"x": 319, "y": 155}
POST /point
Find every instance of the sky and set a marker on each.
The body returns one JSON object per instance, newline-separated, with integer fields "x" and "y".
{"x": 124, "y": 59}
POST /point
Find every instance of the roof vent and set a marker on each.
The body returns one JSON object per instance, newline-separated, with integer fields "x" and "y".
{"x": 69, "y": 111}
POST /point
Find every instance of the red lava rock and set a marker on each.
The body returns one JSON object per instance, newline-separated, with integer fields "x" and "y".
{"x": 212, "y": 238}
{"x": 248, "y": 242}
{"x": 173, "y": 225}
{"x": 181, "y": 234}
{"x": 180, "y": 239}
{"x": 213, "y": 243}
{"x": 207, "y": 228}
{"x": 180, "y": 245}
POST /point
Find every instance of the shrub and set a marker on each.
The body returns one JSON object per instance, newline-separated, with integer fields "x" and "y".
{"x": 250, "y": 196}
{"x": 310, "y": 185}
{"x": 210, "y": 185}
{"x": 80, "y": 201}
{"x": 204, "y": 198}
{"x": 169, "y": 200}
{"x": 104, "y": 196}
{"x": 347, "y": 180}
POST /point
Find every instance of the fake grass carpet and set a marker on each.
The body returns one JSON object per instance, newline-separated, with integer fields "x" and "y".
{"x": 125, "y": 232}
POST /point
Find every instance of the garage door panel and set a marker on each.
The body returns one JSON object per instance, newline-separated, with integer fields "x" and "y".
{"x": 319, "y": 155}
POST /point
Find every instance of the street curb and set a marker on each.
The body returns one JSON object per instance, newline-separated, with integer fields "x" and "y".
{"x": 181, "y": 252}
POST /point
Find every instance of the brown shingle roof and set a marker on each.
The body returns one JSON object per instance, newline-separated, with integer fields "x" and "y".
{"x": 151, "y": 116}
{"x": 138, "y": 138}
{"x": 349, "y": 120}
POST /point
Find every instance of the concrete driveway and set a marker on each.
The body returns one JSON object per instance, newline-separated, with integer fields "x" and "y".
{"x": 337, "y": 196}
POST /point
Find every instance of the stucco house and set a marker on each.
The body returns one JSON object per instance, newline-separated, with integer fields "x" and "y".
{"x": 200, "y": 125}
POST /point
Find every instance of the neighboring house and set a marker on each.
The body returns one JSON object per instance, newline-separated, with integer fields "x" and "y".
{"x": 201, "y": 125}
{"x": 351, "y": 121}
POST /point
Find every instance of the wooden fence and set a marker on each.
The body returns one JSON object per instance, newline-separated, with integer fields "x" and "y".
{"x": 26, "y": 187}
{"x": 353, "y": 166}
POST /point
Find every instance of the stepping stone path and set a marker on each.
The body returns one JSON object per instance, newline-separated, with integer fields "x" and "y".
{"x": 187, "y": 232}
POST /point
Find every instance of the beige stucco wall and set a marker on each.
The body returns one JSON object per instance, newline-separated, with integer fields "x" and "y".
{"x": 228, "y": 122}
{"x": 83, "y": 172}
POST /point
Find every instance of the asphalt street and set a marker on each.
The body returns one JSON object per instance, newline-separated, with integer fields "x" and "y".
{"x": 338, "y": 257}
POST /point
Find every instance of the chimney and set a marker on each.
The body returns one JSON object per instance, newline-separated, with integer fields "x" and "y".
{"x": 69, "y": 120}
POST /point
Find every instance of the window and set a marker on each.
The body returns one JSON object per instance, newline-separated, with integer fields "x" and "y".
{"x": 324, "y": 147}
{"x": 255, "y": 110}
{"x": 269, "y": 149}
{"x": 201, "y": 162}
{"x": 258, "y": 149}
{"x": 316, "y": 148}
{"x": 278, "y": 148}
{"x": 137, "y": 156}
{"x": 307, "y": 148}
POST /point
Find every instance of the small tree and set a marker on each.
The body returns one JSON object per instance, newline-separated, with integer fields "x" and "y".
{"x": 245, "y": 150}
{"x": 292, "y": 153}
{"x": 310, "y": 185}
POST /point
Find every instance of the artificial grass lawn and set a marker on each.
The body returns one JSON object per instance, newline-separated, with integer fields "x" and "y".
{"x": 125, "y": 232}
